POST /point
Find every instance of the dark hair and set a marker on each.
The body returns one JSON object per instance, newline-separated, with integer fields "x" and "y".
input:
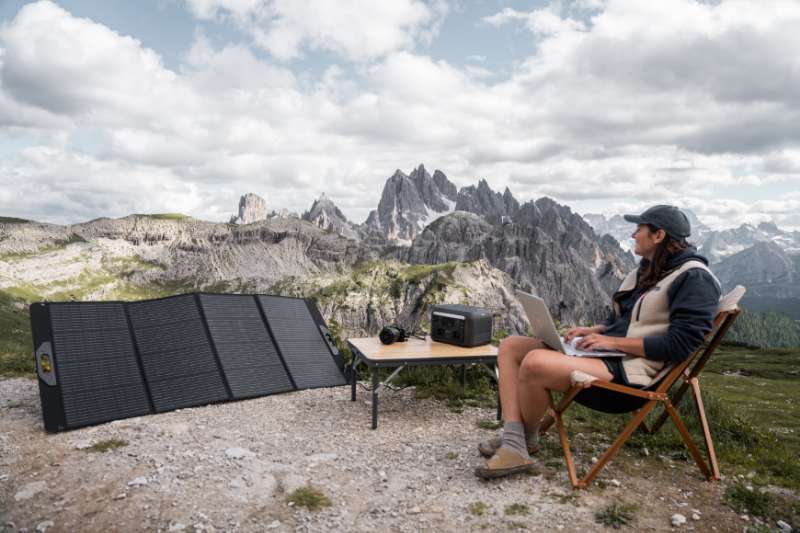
{"x": 654, "y": 270}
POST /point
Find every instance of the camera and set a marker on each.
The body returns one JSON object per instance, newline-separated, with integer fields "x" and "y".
{"x": 391, "y": 334}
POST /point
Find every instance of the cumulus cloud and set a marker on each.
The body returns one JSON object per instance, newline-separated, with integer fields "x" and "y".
{"x": 356, "y": 30}
{"x": 622, "y": 104}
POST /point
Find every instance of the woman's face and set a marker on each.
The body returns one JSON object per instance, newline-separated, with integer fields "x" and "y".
{"x": 646, "y": 240}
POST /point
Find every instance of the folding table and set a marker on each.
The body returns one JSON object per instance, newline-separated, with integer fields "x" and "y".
{"x": 413, "y": 352}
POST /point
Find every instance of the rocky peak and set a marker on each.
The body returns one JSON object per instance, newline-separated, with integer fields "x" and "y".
{"x": 548, "y": 249}
{"x": 252, "y": 208}
{"x": 447, "y": 188}
{"x": 325, "y": 215}
{"x": 483, "y": 201}
{"x": 408, "y": 204}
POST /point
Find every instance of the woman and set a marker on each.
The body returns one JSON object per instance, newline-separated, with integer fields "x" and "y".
{"x": 662, "y": 312}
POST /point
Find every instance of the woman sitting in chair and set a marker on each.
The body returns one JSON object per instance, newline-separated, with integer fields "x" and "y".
{"x": 662, "y": 312}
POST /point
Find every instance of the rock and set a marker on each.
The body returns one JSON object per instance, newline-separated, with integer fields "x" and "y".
{"x": 784, "y": 527}
{"x": 30, "y": 490}
{"x": 695, "y": 516}
{"x": 615, "y": 482}
{"x": 408, "y": 204}
{"x": 252, "y": 208}
{"x": 120, "y": 496}
{"x": 325, "y": 215}
{"x": 678, "y": 520}
{"x": 275, "y": 524}
{"x": 41, "y": 527}
{"x": 84, "y": 444}
{"x": 414, "y": 510}
{"x": 238, "y": 453}
{"x": 138, "y": 482}
{"x": 177, "y": 526}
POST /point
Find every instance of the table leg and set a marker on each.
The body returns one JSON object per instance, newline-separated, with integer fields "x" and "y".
{"x": 353, "y": 378}
{"x": 375, "y": 385}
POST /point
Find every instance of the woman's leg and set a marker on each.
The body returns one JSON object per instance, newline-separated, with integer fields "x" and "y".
{"x": 510, "y": 355}
{"x": 543, "y": 369}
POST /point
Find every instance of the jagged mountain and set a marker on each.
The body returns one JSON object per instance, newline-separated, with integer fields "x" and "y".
{"x": 325, "y": 215}
{"x": 408, "y": 204}
{"x": 721, "y": 244}
{"x": 716, "y": 245}
{"x": 547, "y": 249}
{"x": 483, "y": 201}
{"x": 772, "y": 278}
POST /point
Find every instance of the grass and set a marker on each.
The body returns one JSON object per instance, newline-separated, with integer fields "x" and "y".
{"x": 13, "y": 220}
{"x": 16, "y": 347}
{"x": 477, "y": 508}
{"x": 309, "y": 497}
{"x": 616, "y": 515}
{"x": 488, "y": 423}
{"x": 106, "y": 445}
{"x": 519, "y": 509}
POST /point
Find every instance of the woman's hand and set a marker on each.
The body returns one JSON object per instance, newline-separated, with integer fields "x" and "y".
{"x": 582, "y": 331}
{"x": 595, "y": 341}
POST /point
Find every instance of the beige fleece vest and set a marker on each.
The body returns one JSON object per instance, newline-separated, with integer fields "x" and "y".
{"x": 650, "y": 317}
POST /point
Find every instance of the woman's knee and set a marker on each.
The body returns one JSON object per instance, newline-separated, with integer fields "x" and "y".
{"x": 517, "y": 346}
{"x": 535, "y": 364}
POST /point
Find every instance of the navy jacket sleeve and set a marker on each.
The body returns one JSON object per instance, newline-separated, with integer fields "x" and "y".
{"x": 693, "y": 301}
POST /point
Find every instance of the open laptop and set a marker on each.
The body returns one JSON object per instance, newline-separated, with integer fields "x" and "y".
{"x": 545, "y": 329}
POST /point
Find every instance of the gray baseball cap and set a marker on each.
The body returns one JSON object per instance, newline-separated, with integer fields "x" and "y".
{"x": 666, "y": 217}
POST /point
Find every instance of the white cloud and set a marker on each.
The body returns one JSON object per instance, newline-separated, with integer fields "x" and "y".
{"x": 688, "y": 103}
{"x": 356, "y": 30}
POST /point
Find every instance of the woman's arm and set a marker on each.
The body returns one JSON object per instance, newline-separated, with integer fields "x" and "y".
{"x": 621, "y": 344}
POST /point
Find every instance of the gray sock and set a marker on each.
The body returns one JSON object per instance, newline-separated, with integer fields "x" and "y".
{"x": 532, "y": 436}
{"x": 514, "y": 438}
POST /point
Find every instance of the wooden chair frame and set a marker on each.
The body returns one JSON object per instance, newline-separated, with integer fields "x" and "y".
{"x": 688, "y": 371}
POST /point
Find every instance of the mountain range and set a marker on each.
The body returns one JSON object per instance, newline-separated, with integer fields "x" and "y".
{"x": 426, "y": 242}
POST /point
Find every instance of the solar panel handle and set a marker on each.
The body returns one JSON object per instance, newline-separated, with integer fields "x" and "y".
{"x": 45, "y": 363}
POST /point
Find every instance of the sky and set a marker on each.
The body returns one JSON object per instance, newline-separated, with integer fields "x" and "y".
{"x": 112, "y": 107}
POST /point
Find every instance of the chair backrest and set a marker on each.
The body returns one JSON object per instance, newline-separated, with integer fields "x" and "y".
{"x": 727, "y": 311}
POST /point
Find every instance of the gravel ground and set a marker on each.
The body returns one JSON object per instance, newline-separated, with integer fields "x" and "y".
{"x": 230, "y": 467}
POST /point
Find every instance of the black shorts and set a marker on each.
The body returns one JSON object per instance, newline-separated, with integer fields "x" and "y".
{"x": 611, "y": 401}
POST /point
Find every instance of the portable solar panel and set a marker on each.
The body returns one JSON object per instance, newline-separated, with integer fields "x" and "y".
{"x": 102, "y": 361}
{"x": 308, "y": 356}
{"x": 179, "y": 362}
{"x": 248, "y": 355}
{"x": 86, "y": 364}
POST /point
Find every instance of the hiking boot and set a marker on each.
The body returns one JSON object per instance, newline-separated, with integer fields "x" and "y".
{"x": 504, "y": 463}
{"x": 488, "y": 447}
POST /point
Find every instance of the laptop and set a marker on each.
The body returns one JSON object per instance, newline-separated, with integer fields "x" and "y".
{"x": 545, "y": 329}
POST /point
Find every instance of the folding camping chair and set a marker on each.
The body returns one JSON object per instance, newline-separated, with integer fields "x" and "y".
{"x": 585, "y": 388}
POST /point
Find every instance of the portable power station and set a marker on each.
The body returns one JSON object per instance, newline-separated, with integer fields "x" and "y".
{"x": 462, "y": 325}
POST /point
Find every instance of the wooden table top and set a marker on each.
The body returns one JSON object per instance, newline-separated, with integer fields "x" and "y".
{"x": 372, "y": 348}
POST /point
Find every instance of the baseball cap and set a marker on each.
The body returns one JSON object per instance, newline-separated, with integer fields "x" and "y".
{"x": 666, "y": 217}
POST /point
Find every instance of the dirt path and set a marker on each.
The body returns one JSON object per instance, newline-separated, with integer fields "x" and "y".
{"x": 230, "y": 467}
